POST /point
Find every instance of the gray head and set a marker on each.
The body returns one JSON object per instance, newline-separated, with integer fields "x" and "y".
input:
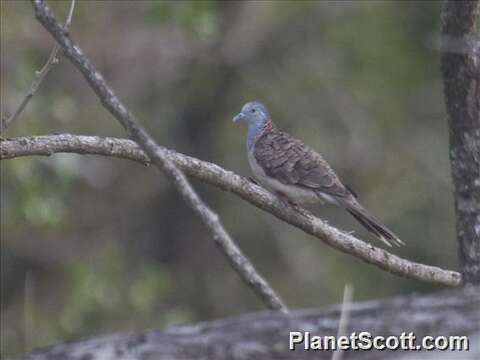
{"x": 254, "y": 113}
{"x": 258, "y": 119}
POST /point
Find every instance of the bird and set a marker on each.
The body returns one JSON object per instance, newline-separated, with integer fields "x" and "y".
{"x": 297, "y": 174}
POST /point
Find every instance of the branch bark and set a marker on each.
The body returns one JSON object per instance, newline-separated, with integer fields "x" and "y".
{"x": 159, "y": 157}
{"x": 461, "y": 77}
{"x": 229, "y": 181}
{"x": 266, "y": 335}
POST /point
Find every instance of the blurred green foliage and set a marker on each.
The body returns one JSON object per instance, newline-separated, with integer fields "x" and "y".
{"x": 93, "y": 246}
{"x": 199, "y": 17}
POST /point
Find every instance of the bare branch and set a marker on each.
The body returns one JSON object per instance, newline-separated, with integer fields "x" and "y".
{"x": 70, "y": 14}
{"x": 39, "y": 76}
{"x": 266, "y": 335}
{"x": 229, "y": 181}
{"x": 159, "y": 156}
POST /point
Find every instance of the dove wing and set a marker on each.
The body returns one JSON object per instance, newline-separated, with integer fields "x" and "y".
{"x": 291, "y": 162}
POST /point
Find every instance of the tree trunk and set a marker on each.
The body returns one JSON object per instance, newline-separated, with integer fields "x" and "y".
{"x": 461, "y": 77}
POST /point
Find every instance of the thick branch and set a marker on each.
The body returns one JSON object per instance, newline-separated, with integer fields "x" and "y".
{"x": 265, "y": 335}
{"x": 461, "y": 76}
{"x": 159, "y": 157}
{"x": 229, "y": 181}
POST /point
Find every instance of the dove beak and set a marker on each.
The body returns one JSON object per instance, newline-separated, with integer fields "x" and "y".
{"x": 238, "y": 117}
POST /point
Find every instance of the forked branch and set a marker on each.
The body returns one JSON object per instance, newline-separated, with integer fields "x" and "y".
{"x": 40, "y": 75}
{"x": 159, "y": 157}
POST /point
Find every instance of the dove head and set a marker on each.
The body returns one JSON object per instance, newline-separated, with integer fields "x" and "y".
{"x": 257, "y": 117}
{"x": 253, "y": 112}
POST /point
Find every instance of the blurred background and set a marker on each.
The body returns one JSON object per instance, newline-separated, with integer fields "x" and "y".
{"x": 93, "y": 245}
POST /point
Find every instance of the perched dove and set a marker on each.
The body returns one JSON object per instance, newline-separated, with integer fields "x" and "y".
{"x": 297, "y": 173}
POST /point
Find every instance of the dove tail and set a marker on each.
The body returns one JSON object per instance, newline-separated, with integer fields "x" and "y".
{"x": 371, "y": 223}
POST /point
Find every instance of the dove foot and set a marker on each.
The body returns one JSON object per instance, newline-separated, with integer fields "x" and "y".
{"x": 253, "y": 180}
{"x": 286, "y": 200}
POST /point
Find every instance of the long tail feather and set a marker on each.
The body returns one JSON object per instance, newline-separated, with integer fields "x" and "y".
{"x": 371, "y": 223}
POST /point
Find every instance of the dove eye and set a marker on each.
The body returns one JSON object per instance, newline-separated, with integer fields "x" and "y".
{"x": 253, "y": 110}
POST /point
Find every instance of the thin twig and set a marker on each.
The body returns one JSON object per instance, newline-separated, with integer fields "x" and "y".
{"x": 39, "y": 76}
{"x": 159, "y": 157}
{"x": 243, "y": 187}
{"x": 344, "y": 318}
